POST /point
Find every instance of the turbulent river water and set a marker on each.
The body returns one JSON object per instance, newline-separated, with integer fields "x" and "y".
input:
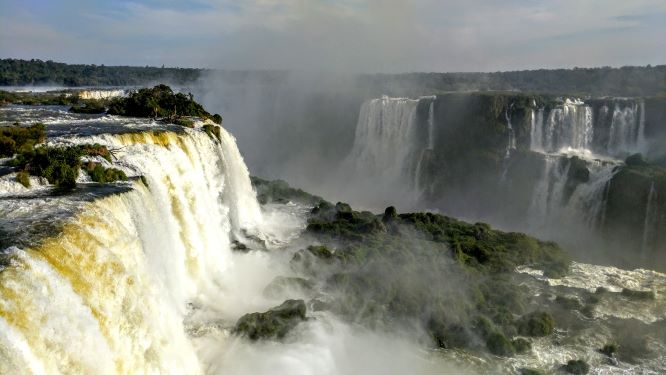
{"x": 140, "y": 277}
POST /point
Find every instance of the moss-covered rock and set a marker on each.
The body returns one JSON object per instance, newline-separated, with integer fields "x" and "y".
{"x": 498, "y": 344}
{"x": 23, "y": 178}
{"x": 272, "y": 324}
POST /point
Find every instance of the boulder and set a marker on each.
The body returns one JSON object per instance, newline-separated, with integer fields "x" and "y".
{"x": 272, "y": 324}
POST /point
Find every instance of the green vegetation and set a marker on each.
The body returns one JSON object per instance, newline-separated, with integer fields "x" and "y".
{"x": 14, "y": 72}
{"x": 103, "y": 175}
{"x": 23, "y": 178}
{"x": 159, "y": 101}
{"x": 213, "y": 131}
{"x": 577, "y": 367}
{"x": 59, "y": 165}
{"x": 279, "y": 191}
{"x": 609, "y": 349}
{"x": 605, "y": 81}
{"x": 536, "y": 324}
{"x": 455, "y": 279}
{"x": 37, "y": 98}
{"x": 272, "y": 324}
{"x": 15, "y": 139}
{"x": 89, "y": 107}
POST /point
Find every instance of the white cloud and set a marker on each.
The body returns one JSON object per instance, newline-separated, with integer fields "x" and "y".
{"x": 371, "y": 35}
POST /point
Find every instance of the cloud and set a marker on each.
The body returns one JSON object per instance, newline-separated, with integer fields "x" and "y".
{"x": 343, "y": 35}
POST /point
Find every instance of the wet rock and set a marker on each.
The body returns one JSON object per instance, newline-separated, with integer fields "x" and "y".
{"x": 272, "y": 324}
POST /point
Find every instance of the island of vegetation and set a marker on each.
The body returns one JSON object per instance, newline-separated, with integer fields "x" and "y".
{"x": 61, "y": 165}
{"x": 454, "y": 279}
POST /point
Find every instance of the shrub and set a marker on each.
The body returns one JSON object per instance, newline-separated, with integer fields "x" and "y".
{"x": 15, "y": 139}
{"x": 104, "y": 175}
{"x": 609, "y": 349}
{"x": 59, "y": 165}
{"x": 536, "y": 324}
{"x": 577, "y": 367}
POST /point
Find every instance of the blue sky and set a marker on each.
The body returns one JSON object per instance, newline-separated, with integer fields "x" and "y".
{"x": 344, "y": 35}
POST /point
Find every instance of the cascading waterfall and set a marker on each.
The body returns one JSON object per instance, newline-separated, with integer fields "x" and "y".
{"x": 391, "y": 142}
{"x": 627, "y": 129}
{"x": 109, "y": 294}
{"x": 649, "y": 225}
{"x": 569, "y": 125}
{"x": 547, "y": 199}
{"x": 536, "y": 130}
{"x": 588, "y": 202}
{"x": 583, "y": 209}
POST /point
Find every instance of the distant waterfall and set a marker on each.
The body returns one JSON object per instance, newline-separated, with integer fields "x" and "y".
{"x": 547, "y": 199}
{"x": 588, "y": 202}
{"x": 569, "y": 125}
{"x": 109, "y": 294}
{"x": 536, "y": 130}
{"x": 392, "y": 141}
{"x": 550, "y": 208}
{"x": 627, "y": 129}
{"x": 649, "y": 224}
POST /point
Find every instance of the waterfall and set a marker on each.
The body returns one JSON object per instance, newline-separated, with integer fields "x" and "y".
{"x": 584, "y": 208}
{"x": 547, "y": 198}
{"x": 641, "y": 142}
{"x": 109, "y": 294}
{"x": 649, "y": 224}
{"x": 626, "y": 130}
{"x": 536, "y": 130}
{"x": 569, "y": 126}
{"x": 588, "y": 201}
{"x": 431, "y": 125}
{"x": 392, "y": 143}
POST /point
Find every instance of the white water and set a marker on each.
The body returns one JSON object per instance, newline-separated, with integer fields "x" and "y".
{"x": 649, "y": 224}
{"x": 549, "y": 211}
{"x": 101, "y": 94}
{"x": 145, "y": 281}
{"x": 627, "y": 129}
{"x": 390, "y": 146}
{"x": 569, "y": 125}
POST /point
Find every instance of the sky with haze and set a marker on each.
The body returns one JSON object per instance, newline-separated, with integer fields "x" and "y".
{"x": 338, "y": 35}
